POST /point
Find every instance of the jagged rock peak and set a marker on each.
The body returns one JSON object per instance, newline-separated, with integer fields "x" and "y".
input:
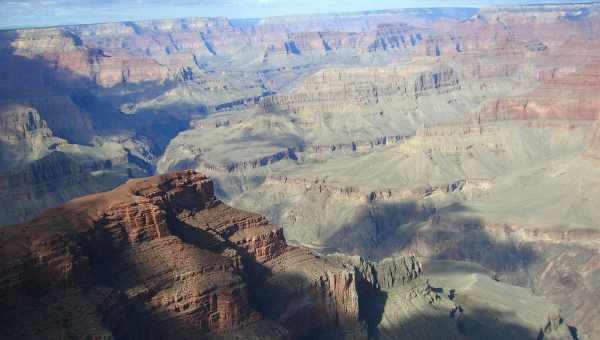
{"x": 384, "y": 274}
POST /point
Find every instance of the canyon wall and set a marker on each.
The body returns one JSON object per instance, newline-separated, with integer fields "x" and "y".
{"x": 166, "y": 253}
{"x": 163, "y": 257}
{"x": 563, "y": 96}
{"x": 332, "y": 89}
{"x": 154, "y": 51}
{"x": 141, "y": 83}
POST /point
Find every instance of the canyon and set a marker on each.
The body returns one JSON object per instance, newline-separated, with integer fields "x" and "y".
{"x": 163, "y": 257}
{"x": 389, "y": 158}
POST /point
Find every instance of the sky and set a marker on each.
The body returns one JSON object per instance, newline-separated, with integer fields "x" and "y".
{"x": 38, "y": 13}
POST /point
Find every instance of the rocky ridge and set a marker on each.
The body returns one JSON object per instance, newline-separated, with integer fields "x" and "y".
{"x": 168, "y": 253}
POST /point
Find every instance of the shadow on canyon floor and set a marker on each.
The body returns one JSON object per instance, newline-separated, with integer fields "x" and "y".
{"x": 298, "y": 303}
{"x": 474, "y": 324}
{"x": 79, "y": 111}
{"x": 381, "y": 229}
{"x": 60, "y": 95}
{"x": 306, "y": 317}
{"x": 76, "y": 108}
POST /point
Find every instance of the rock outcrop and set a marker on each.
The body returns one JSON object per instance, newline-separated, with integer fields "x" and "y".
{"x": 165, "y": 252}
{"x": 23, "y": 134}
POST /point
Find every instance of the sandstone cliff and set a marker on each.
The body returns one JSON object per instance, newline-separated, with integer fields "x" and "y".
{"x": 569, "y": 96}
{"x": 166, "y": 253}
{"x": 23, "y": 135}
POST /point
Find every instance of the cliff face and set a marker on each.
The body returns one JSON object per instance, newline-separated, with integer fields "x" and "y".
{"x": 111, "y": 54}
{"x": 20, "y": 123}
{"x": 138, "y": 83}
{"x": 334, "y": 90}
{"x": 23, "y": 133}
{"x": 121, "y": 239}
{"x": 155, "y": 51}
{"x": 560, "y": 96}
{"x": 165, "y": 252}
{"x": 502, "y": 64}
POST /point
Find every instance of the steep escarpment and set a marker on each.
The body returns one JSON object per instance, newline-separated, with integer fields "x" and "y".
{"x": 72, "y": 260}
{"x": 163, "y": 257}
{"x": 23, "y": 133}
{"x": 501, "y": 194}
{"x": 563, "y": 96}
{"x": 558, "y": 265}
{"x": 362, "y": 86}
{"x": 111, "y": 54}
{"x": 141, "y": 83}
{"x": 336, "y": 109}
{"x": 167, "y": 253}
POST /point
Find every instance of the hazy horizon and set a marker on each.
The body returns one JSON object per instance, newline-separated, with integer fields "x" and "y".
{"x": 40, "y": 13}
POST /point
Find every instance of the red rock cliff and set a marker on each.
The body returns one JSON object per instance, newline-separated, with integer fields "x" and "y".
{"x": 167, "y": 254}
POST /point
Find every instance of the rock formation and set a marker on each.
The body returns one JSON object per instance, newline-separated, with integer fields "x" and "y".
{"x": 23, "y": 132}
{"x": 569, "y": 96}
{"x": 163, "y": 257}
{"x": 361, "y": 87}
{"x": 167, "y": 253}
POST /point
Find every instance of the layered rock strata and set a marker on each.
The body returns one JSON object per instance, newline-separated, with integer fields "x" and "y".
{"x": 165, "y": 252}
{"x": 563, "y": 96}
{"x": 361, "y": 87}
